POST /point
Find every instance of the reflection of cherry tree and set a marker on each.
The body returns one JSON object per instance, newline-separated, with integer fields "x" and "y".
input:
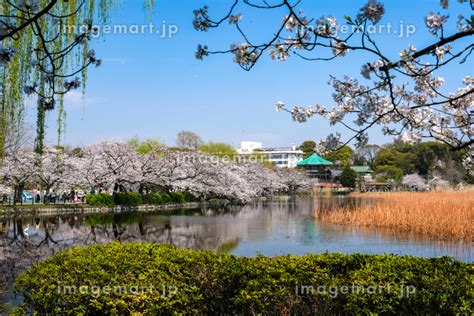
{"x": 402, "y": 91}
{"x": 25, "y": 241}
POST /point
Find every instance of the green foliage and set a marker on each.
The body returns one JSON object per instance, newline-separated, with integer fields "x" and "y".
{"x": 308, "y": 147}
{"x": 385, "y": 158}
{"x": 173, "y": 281}
{"x": 428, "y": 153}
{"x": 386, "y": 172}
{"x": 219, "y": 150}
{"x": 152, "y": 198}
{"x": 394, "y": 158}
{"x": 423, "y": 158}
{"x": 172, "y": 197}
{"x": 177, "y": 197}
{"x": 128, "y": 198}
{"x": 189, "y": 197}
{"x": 101, "y": 199}
{"x": 228, "y": 246}
{"x": 348, "y": 177}
{"x": 343, "y": 155}
{"x": 147, "y": 146}
{"x": 165, "y": 198}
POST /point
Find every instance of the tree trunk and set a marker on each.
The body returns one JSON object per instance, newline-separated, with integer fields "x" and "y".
{"x": 18, "y": 196}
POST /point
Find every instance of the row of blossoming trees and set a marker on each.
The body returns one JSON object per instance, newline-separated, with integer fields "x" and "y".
{"x": 118, "y": 167}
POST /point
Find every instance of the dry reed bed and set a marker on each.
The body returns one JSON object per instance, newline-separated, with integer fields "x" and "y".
{"x": 437, "y": 215}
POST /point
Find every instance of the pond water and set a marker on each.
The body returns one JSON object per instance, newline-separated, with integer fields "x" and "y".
{"x": 275, "y": 227}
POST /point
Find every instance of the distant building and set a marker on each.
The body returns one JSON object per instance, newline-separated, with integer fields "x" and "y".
{"x": 283, "y": 157}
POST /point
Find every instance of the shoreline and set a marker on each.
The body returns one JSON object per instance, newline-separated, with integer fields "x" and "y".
{"x": 86, "y": 209}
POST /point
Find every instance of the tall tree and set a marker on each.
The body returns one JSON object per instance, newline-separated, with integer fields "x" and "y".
{"x": 188, "y": 140}
{"x": 367, "y": 153}
{"x": 45, "y": 53}
{"x": 342, "y": 155}
{"x": 219, "y": 149}
{"x": 348, "y": 177}
{"x": 308, "y": 147}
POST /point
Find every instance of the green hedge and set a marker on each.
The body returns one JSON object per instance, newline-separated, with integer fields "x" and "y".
{"x": 152, "y": 199}
{"x": 101, "y": 199}
{"x": 128, "y": 198}
{"x": 177, "y": 197}
{"x": 202, "y": 282}
{"x": 165, "y": 198}
{"x": 189, "y": 197}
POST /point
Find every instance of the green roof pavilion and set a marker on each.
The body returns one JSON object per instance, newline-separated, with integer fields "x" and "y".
{"x": 315, "y": 160}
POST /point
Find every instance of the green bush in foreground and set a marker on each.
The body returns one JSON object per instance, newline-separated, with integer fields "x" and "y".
{"x": 160, "y": 279}
{"x": 101, "y": 199}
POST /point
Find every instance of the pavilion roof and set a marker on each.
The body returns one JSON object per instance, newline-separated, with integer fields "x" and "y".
{"x": 315, "y": 160}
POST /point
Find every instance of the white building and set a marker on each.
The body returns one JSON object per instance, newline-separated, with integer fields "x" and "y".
{"x": 283, "y": 157}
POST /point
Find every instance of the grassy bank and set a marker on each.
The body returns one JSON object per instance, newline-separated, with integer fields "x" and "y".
{"x": 437, "y": 215}
{"x": 99, "y": 280}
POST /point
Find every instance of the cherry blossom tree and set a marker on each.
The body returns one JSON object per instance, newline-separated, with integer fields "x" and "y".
{"x": 294, "y": 181}
{"x": 118, "y": 167}
{"x": 209, "y": 176}
{"x": 17, "y": 168}
{"x": 405, "y": 95}
{"x": 415, "y": 182}
{"x": 110, "y": 165}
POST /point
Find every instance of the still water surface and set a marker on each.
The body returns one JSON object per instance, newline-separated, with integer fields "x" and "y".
{"x": 275, "y": 227}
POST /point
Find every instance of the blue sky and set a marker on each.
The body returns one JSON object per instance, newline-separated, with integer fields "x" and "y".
{"x": 150, "y": 86}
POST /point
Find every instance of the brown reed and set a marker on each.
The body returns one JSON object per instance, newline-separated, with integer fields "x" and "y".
{"x": 437, "y": 215}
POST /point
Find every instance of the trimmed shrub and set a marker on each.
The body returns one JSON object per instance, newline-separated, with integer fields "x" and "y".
{"x": 189, "y": 197}
{"x": 177, "y": 197}
{"x": 165, "y": 198}
{"x": 152, "y": 199}
{"x": 128, "y": 198}
{"x": 101, "y": 199}
{"x": 167, "y": 281}
{"x": 147, "y": 199}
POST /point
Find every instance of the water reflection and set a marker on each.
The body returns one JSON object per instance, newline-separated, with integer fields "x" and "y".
{"x": 270, "y": 228}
